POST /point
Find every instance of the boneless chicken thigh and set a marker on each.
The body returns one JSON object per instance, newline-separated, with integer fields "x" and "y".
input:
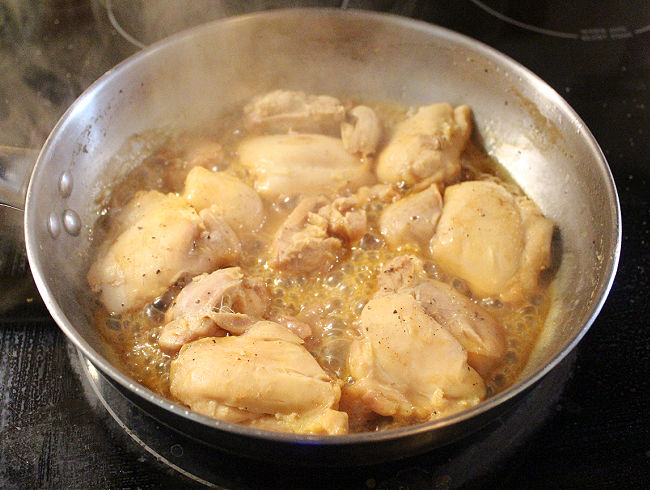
{"x": 412, "y": 219}
{"x": 406, "y": 365}
{"x": 156, "y": 240}
{"x": 427, "y": 145}
{"x": 314, "y": 235}
{"x": 229, "y": 197}
{"x": 497, "y": 242}
{"x": 264, "y": 378}
{"x": 362, "y": 131}
{"x": 471, "y": 324}
{"x": 211, "y": 305}
{"x": 282, "y": 111}
{"x": 289, "y": 164}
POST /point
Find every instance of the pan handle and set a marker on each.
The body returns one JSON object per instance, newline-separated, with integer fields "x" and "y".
{"x": 16, "y": 165}
{"x": 18, "y": 289}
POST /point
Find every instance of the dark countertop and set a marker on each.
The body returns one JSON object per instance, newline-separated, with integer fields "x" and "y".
{"x": 591, "y": 432}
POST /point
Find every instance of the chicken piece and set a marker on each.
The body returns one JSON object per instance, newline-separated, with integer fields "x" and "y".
{"x": 205, "y": 153}
{"x": 264, "y": 378}
{"x": 301, "y": 164}
{"x": 213, "y": 304}
{"x": 471, "y": 324}
{"x": 476, "y": 330}
{"x": 406, "y": 365}
{"x": 282, "y": 111}
{"x": 302, "y": 244}
{"x": 183, "y": 153}
{"x": 155, "y": 240}
{"x": 239, "y": 205}
{"x": 496, "y": 242}
{"x": 427, "y": 145}
{"x": 413, "y": 219}
{"x": 363, "y": 132}
{"x": 314, "y": 234}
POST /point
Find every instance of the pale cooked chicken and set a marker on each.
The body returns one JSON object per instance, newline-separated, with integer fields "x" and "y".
{"x": 239, "y": 204}
{"x": 476, "y": 330}
{"x": 264, "y": 378}
{"x": 282, "y": 111}
{"x": 301, "y": 164}
{"x": 495, "y": 241}
{"x": 406, "y": 365}
{"x": 288, "y": 227}
{"x": 313, "y": 236}
{"x": 206, "y": 153}
{"x": 362, "y": 132}
{"x": 412, "y": 219}
{"x": 427, "y": 145}
{"x": 213, "y": 304}
{"x": 155, "y": 240}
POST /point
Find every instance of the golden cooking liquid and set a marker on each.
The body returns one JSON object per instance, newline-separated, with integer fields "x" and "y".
{"x": 331, "y": 301}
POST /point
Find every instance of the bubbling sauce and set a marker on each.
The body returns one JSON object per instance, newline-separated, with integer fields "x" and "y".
{"x": 331, "y": 301}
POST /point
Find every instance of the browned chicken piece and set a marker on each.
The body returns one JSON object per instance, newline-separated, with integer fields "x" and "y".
{"x": 495, "y": 241}
{"x": 308, "y": 164}
{"x": 213, "y": 304}
{"x": 155, "y": 240}
{"x": 407, "y": 366}
{"x": 471, "y": 324}
{"x": 263, "y": 378}
{"x": 427, "y": 145}
{"x": 229, "y": 197}
{"x": 362, "y": 131}
{"x": 413, "y": 219}
{"x": 313, "y": 236}
{"x": 282, "y": 111}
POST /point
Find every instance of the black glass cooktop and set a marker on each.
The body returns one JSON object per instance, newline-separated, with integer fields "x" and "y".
{"x": 586, "y": 425}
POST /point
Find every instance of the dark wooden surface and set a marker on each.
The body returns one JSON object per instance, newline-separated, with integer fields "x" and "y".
{"x": 596, "y": 434}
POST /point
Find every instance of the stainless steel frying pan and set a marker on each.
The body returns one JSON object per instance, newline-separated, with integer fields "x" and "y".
{"x": 192, "y": 76}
